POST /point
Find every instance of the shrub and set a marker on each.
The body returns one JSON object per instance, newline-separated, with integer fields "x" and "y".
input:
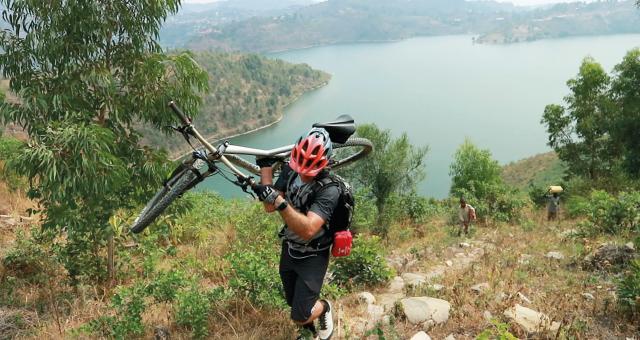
{"x": 166, "y": 285}
{"x": 610, "y": 214}
{"x": 497, "y": 330}
{"x": 537, "y": 195}
{"x": 629, "y": 289}
{"x": 27, "y": 259}
{"x": 192, "y": 311}
{"x": 254, "y": 274}
{"x": 129, "y": 305}
{"x": 501, "y": 203}
{"x": 365, "y": 266}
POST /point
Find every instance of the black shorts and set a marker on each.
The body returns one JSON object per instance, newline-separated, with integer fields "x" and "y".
{"x": 302, "y": 275}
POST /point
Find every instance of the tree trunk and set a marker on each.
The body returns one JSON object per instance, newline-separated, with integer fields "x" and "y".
{"x": 110, "y": 266}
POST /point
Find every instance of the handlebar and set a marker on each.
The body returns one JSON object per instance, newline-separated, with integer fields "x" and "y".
{"x": 179, "y": 112}
{"x": 212, "y": 149}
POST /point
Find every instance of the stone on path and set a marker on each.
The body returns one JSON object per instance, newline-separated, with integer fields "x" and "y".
{"x": 449, "y": 263}
{"x": 375, "y": 313}
{"x": 421, "y": 309}
{"x": 396, "y": 285}
{"x": 388, "y": 300}
{"x": 487, "y": 315}
{"x": 530, "y": 320}
{"x": 480, "y": 287}
{"x": 464, "y": 245}
{"x": 554, "y": 255}
{"x": 450, "y": 337}
{"x": 367, "y": 298}
{"x": 414, "y": 280}
{"x": 421, "y": 336}
{"x": 588, "y": 296}
{"x": 524, "y": 298}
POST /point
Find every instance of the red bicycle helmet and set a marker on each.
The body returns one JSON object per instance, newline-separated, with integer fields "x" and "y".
{"x": 311, "y": 153}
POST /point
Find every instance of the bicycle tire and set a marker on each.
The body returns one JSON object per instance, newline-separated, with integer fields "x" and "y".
{"x": 365, "y": 145}
{"x": 174, "y": 187}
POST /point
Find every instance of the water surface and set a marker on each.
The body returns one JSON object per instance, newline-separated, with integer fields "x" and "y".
{"x": 441, "y": 90}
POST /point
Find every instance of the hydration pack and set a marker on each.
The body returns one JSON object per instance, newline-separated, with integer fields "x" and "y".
{"x": 337, "y": 229}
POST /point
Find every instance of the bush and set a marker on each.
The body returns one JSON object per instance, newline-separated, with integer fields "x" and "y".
{"x": 497, "y": 330}
{"x": 609, "y": 214}
{"x": 27, "y": 259}
{"x": 129, "y": 305}
{"x": 254, "y": 274}
{"x": 192, "y": 311}
{"x": 365, "y": 266}
{"x": 501, "y": 203}
{"x": 166, "y": 285}
{"x": 629, "y": 289}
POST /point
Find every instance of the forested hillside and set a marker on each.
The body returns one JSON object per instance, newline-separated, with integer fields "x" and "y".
{"x": 245, "y": 92}
{"x": 540, "y": 171}
{"x": 562, "y": 20}
{"x": 347, "y": 21}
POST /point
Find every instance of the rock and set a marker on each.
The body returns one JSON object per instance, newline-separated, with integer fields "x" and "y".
{"x": 375, "y": 313}
{"x": 386, "y": 320}
{"x": 480, "y": 287}
{"x": 530, "y": 320}
{"x": 524, "y": 298}
{"x": 367, "y": 298}
{"x": 609, "y": 257}
{"x": 414, "y": 280}
{"x": 421, "y": 336}
{"x": 588, "y": 296}
{"x": 449, "y": 263}
{"x": 450, "y": 337}
{"x": 421, "y": 309}
{"x": 464, "y": 245}
{"x": 436, "y": 287}
{"x": 501, "y": 297}
{"x": 487, "y": 315}
{"x": 555, "y": 255}
{"x": 525, "y": 258}
{"x": 569, "y": 233}
{"x": 388, "y": 300}
{"x": 630, "y": 246}
{"x": 396, "y": 285}
{"x": 161, "y": 333}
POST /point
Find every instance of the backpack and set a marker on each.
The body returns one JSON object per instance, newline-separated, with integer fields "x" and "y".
{"x": 342, "y": 216}
{"x": 337, "y": 229}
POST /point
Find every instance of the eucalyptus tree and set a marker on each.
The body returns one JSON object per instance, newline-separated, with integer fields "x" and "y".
{"x": 87, "y": 74}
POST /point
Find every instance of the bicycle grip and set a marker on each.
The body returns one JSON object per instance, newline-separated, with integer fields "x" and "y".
{"x": 179, "y": 112}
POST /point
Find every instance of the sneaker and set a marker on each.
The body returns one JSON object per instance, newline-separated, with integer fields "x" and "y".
{"x": 305, "y": 334}
{"x": 326, "y": 323}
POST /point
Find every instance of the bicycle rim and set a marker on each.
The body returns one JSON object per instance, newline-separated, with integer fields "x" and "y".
{"x": 361, "y": 147}
{"x": 175, "y": 187}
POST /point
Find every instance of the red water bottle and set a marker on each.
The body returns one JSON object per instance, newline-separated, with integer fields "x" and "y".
{"x": 342, "y": 241}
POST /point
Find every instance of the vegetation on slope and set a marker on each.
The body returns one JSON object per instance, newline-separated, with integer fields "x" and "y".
{"x": 540, "y": 170}
{"x": 246, "y": 91}
{"x": 349, "y": 21}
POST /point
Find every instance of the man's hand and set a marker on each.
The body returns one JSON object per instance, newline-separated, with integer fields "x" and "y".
{"x": 265, "y": 193}
{"x": 266, "y": 162}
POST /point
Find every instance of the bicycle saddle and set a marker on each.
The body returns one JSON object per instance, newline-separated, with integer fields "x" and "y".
{"x": 340, "y": 129}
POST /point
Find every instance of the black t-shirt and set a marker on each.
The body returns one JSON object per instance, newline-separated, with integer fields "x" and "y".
{"x": 323, "y": 203}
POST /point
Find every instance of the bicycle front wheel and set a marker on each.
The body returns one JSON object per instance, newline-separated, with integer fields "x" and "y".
{"x": 352, "y": 150}
{"x": 181, "y": 180}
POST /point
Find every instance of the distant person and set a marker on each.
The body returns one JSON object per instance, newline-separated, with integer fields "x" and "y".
{"x": 553, "y": 206}
{"x": 467, "y": 214}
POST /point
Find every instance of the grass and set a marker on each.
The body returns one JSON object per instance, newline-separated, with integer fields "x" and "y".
{"x": 199, "y": 245}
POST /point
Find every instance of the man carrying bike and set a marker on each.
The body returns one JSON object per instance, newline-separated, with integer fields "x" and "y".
{"x": 306, "y": 242}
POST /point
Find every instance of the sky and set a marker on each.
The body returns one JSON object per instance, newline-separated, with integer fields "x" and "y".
{"x": 517, "y": 2}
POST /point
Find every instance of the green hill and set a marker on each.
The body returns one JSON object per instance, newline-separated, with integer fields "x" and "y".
{"x": 542, "y": 170}
{"x": 246, "y": 91}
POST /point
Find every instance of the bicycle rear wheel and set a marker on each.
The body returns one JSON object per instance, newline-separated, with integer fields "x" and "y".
{"x": 181, "y": 180}
{"x": 344, "y": 155}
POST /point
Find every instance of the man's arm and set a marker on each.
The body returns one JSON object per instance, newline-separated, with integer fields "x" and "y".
{"x": 266, "y": 178}
{"x": 305, "y": 226}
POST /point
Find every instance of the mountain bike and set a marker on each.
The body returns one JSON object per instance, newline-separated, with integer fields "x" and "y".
{"x": 225, "y": 160}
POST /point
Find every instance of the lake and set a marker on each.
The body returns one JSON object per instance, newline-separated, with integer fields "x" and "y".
{"x": 441, "y": 90}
